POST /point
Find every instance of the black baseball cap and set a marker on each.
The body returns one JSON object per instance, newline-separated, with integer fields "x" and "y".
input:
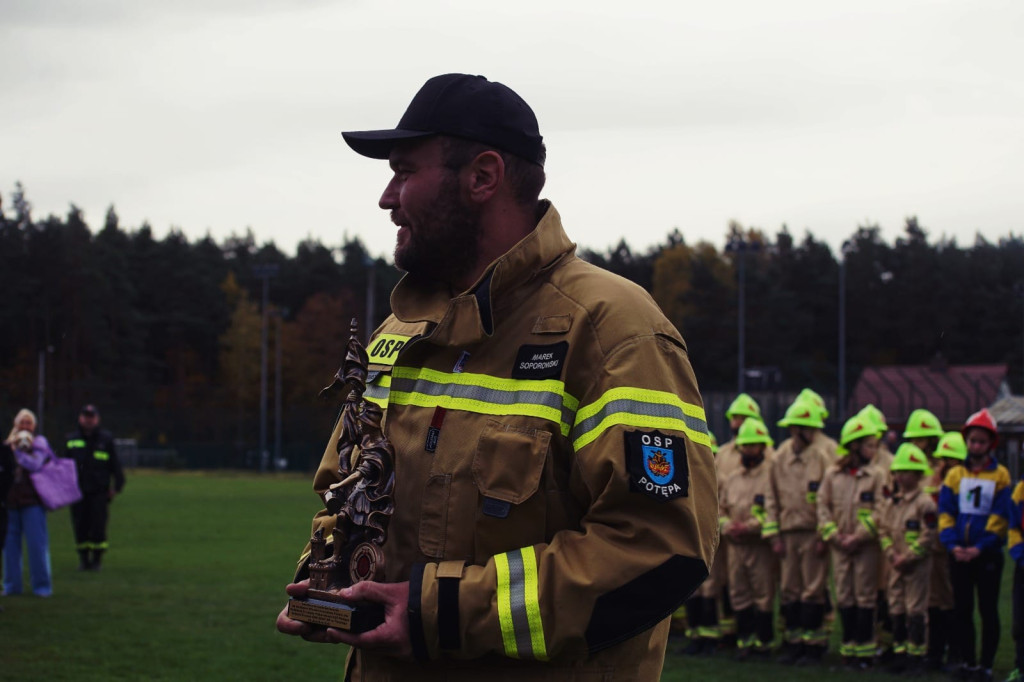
{"x": 457, "y": 104}
{"x": 89, "y": 410}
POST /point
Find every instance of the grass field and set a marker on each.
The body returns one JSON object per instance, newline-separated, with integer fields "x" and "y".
{"x": 192, "y": 585}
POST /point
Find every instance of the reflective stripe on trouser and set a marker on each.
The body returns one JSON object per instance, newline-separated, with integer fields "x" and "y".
{"x": 908, "y": 592}
{"x": 522, "y": 631}
{"x": 804, "y": 571}
{"x": 751, "y": 580}
{"x": 856, "y": 576}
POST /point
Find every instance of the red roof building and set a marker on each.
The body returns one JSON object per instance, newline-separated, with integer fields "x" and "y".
{"x": 951, "y": 392}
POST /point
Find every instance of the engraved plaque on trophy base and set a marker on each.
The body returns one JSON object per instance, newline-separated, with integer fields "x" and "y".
{"x": 351, "y": 616}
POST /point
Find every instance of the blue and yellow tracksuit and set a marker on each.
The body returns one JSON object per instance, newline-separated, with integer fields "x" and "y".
{"x": 974, "y": 511}
{"x": 1016, "y": 542}
{"x": 1015, "y": 535}
{"x": 974, "y": 507}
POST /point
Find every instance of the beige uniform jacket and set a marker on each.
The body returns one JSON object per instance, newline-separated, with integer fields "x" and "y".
{"x": 792, "y": 503}
{"x": 849, "y": 502}
{"x": 909, "y": 525}
{"x": 555, "y": 495}
{"x": 742, "y": 499}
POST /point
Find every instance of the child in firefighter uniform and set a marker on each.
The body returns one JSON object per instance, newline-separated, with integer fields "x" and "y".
{"x": 797, "y": 468}
{"x": 1016, "y": 545}
{"x": 849, "y": 500}
{"x": 881, "y": 462}
{"x": 943, "y": 650}
{"x": 924, "y": 430}
{"x": 908, "y": 531}
{"x": 743, "y": 521}
{"x": 974, "y": 506}
{"x": 709, "y": 613}
{"x": 822, "y": 439}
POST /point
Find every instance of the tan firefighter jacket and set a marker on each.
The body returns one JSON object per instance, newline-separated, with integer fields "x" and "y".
{"x": 910, "y": 525}
{"x": 849, "y": 502}
{"x": 727, "y": 461}
{"x": 742, "y": 500}
{"x": 792, "y": 502}
{"x": 555, "y": 495}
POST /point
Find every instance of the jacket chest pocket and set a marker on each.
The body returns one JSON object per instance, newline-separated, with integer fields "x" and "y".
{"x": 508, "y": 467}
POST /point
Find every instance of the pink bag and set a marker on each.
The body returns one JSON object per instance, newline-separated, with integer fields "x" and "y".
{"x": 56, "y": 482}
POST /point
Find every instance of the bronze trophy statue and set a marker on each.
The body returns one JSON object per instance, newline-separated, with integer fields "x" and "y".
{"x": 361, "y": 502}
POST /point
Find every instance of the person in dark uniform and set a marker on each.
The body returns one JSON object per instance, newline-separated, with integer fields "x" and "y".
{"x": 94, "y": 453}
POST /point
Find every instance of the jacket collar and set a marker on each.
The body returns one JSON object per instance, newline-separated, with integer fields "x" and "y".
{"x": 469, "y": 316}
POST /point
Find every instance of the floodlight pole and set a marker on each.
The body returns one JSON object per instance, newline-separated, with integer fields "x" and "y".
{"x": 265, "y": 272}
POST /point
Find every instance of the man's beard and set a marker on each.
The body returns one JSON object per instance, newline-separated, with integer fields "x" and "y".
{"x": 443, "y": 245}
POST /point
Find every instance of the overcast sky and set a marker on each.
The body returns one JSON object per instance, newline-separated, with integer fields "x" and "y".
{"x": 221, "y": 115}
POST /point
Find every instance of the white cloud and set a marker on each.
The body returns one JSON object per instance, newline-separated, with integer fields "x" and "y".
{"x": 227, "y": 114}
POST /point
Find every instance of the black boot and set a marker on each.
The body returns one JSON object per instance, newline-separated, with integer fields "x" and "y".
{"x": 765, "y": 630}
{"x": 97, "y": 560}
{"x": 848, "y": 619}
{"x": 744, "y": 633}
{"x": 83, "y": 560}
{"x": 812, "y": 618}
{"x": 898, "y": 660}
{"x": 866, "y": 637}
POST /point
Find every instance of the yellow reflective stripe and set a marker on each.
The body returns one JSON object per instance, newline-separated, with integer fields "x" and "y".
{"x": 533, "y": 604}
{"x": 864, "y": 516}
{"x": 101, "y": 455}
{"x": 484, "y": 394}
{"x": 828, "y": 530}
{"x": 76, "y": 444}
{"x": 508, "y": 632}
{"x": 758, "y": 512}
{"x": 886, "y": 543}
{"x": 522, "y": 631}
{"x": 641, "y": 408}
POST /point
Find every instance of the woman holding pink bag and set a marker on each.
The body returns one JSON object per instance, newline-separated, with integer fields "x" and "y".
{"x": 26, "y": 515}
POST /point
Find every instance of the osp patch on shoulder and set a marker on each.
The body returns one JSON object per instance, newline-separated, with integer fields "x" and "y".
{"x": 657, "y": 464}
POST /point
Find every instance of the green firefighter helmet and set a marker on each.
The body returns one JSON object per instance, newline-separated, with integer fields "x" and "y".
{"x": 855, "y": 428}
{"x": 923, "y": 424}
{"x": 811, "y": 396}
{"x": 909, "y": 457}
{"x": 876, "y": 417}
{"x": 951, "y": 446}
{"x": 744, "y": 406}
{"x": 803, "y": 413}
{"x": 752, "y": 431}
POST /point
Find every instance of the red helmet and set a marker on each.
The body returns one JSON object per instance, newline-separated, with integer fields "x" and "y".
{"x": 982, "y": 419}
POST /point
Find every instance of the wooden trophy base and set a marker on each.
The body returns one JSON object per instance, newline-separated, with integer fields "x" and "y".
{"x": 326, "y": 611}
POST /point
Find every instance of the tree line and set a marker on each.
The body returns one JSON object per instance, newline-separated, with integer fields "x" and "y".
{"x": 166, "y": 335}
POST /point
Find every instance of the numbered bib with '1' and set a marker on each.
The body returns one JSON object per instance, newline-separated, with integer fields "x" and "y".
{"x": 976, "y": 495}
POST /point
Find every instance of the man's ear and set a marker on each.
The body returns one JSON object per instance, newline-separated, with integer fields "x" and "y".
{"x": 486, "y": 173}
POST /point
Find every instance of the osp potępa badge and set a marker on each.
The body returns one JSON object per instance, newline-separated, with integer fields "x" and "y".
{"x": 657, "y": 464}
